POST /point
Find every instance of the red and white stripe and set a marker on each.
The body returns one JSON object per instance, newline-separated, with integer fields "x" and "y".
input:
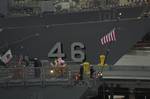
{"x": 60, "y": 61}
{"x": 110, "y": 37}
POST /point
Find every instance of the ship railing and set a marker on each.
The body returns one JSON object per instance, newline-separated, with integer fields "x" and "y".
{"x": 31, "y": 75}
{"x": 45, "y": 75}
{"x": 34, "y": 9}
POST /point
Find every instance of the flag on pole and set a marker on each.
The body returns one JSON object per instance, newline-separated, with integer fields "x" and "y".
{"x": 109, "y": 37}
{"x": 7, "y": 57}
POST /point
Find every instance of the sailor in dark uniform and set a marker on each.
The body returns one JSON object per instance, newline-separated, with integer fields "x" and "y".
{"x": 81, "y": 72}
{"x": 91, "y": 71}
{"x": 37, "y": 65}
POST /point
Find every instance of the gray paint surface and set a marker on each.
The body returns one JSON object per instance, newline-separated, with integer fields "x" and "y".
{"x": 20, "y": 34}
{"x": 4, "y": 7}
{"x": 128, "y": 33}
{"x": 51, "y": 92}
{"x": 138, "y": 58}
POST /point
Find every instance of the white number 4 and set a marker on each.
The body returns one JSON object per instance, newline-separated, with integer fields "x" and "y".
{"x": 56, "y": 51}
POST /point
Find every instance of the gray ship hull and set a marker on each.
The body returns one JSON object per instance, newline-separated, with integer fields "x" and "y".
{"x": 36, "y": 36}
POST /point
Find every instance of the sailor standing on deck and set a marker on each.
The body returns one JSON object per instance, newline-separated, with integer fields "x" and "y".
{"x": 37, "y": 67}
{"x": 81, "y": 72}
{"x": 91, "y": 71}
